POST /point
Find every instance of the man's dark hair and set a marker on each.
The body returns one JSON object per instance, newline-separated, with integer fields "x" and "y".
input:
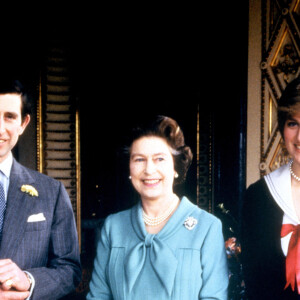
{"x": 8, "y": 86}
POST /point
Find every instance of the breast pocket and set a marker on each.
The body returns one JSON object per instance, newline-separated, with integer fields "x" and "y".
{"x": 36, "y": 226}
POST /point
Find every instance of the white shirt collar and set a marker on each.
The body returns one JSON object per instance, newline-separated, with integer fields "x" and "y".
{"x": 280, "y": 186}
{"x": 6, "y": 165}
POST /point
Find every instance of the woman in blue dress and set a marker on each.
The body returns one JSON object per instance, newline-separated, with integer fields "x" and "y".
{"x": 163, "y": 247}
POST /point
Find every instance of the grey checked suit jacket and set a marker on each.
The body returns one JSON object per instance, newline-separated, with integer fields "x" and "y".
{"x": 47, "y": 249}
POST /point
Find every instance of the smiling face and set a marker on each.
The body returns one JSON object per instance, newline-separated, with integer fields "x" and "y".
{"x": 11, "y": 126}
{"x": 291, "y": 134}
{"x": 152, "y": 168}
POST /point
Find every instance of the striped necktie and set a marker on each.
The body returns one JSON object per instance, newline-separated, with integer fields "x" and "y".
{"x": 2, "y": 207}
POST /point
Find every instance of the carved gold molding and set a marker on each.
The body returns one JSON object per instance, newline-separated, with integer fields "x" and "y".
{"x": 78, "y": 176}
{"x": 280, "y": 65}
{"x": 39, "y": 123}
{"x": 204, "y": 170}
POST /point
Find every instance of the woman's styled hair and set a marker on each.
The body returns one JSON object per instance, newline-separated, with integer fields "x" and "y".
{"x": 167, "y": 129}
{"x": 289, "y": 103}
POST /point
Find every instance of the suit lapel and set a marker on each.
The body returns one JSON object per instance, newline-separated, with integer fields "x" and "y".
{"x": 17, "y": 211}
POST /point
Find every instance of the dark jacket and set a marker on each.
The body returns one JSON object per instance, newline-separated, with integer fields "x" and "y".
{"x": 47, "y": 247}
{"x": 262, "y": 256}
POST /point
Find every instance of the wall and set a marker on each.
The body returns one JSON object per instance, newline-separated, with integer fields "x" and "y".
{"x": 254, "y": 94}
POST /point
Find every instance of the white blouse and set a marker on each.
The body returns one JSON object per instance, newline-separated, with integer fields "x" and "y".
{"x": 280, "y": 186}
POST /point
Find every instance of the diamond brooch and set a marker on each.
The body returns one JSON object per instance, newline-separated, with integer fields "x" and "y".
{"x": 190, "y": 223}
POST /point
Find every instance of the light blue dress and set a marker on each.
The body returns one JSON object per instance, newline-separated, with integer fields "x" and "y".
{"x": 179, "y": 262}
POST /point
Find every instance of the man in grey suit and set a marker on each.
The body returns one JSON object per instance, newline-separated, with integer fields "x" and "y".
{"x": 39, "y": 252}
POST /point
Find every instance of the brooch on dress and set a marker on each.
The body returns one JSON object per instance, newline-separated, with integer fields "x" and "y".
{"x": 190, "y": 223}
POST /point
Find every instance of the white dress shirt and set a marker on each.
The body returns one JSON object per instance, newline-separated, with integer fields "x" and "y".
{"x": 5, "y": 168}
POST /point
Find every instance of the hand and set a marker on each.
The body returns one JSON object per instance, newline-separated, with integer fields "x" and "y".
{"x": 14, "y": 282}
{"x": 13, "y": 295}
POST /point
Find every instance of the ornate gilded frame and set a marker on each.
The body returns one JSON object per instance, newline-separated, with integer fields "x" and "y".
{"x": 280, "y": 64}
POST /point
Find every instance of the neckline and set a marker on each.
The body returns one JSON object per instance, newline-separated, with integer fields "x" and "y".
{"x": 175, "y": 223}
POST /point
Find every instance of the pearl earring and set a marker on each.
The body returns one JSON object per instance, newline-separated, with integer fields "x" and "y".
{"x": 176, "y": 175}
{"x": 129, "y": 177}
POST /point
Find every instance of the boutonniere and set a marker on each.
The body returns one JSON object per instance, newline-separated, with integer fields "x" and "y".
{"x": 29, "y": 189}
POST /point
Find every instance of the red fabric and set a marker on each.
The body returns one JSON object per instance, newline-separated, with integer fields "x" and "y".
{"x": 292, "y": 263}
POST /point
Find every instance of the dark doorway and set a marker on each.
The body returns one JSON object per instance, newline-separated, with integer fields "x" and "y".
{"x": 105, "y": 184}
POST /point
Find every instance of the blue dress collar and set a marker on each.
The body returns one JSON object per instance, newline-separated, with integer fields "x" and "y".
{"x": 158, "y": 248}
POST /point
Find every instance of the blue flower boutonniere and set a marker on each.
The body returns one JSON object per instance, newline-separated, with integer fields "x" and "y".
{"x": 25, "y": 188}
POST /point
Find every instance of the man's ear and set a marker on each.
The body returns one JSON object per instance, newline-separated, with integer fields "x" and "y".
{"x": 24, "y": 124}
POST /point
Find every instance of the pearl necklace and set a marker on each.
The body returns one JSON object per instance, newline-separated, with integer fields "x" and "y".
{"x": 155, "y": 221}
{"x": 292, "y": 172}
